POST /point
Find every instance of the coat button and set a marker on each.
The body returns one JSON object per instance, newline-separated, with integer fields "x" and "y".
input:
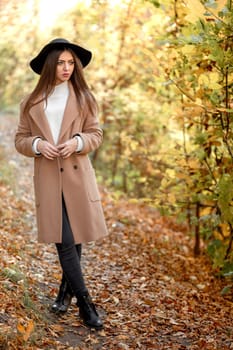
{"x": 61, "y": 169}
{"x": 75, "y": 167}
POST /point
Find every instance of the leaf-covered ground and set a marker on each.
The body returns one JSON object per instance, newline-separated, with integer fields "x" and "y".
{"x": 149, "y": 289}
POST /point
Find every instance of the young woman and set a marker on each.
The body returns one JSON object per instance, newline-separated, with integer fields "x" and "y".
{"x": 58, "y": 127}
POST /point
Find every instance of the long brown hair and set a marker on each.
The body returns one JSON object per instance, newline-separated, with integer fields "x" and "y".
{"x": 47, "y": 82}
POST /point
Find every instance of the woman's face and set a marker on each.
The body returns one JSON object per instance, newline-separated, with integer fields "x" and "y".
{"x": 65, "y": 67}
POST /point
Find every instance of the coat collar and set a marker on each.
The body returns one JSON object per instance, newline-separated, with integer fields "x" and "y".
{"x": 70, "y": 113}
{"x": 38, "y": 115}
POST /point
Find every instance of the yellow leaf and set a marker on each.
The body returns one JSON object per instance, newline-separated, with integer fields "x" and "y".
{"x": 230, "y": 78}
{"x": 203, "y": 80}
{"x": 225, "y": 229}
{"x": 214, "y": 77}
{"x": 217, "y": 235}
{"x": 215, "y": 86}
{"x": 210, "y": 81}
{"x": 194, "y": 164}
{"x": 133, "y": 145}
{"x": 195, "y": 10}
{"x": 171, "y": 198}
{"x": 164, "y": 183}
{"x": 188, "y": 49}
{"x": 205, "y": 211}
{"x": 171, "y": 173}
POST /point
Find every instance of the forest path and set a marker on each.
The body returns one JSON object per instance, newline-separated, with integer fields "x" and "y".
{"x": 149, "y": 289}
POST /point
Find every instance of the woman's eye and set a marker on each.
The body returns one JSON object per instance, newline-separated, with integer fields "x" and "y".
{"x": 60, "y": 63}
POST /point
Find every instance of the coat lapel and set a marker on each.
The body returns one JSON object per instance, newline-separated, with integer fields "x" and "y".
{"x": 39, "y": 117}
{"x": 70, "y": 113}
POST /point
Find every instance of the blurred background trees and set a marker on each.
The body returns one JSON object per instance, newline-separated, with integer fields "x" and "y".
{"x": 162, "y": 74}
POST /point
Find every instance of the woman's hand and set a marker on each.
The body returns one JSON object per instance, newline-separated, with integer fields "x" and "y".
{"x": 47, "y": 150}
{"x": 67, "y": 148}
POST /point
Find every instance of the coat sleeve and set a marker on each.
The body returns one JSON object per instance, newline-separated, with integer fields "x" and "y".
{"x": 23, "y": 136}
{"x": 91, "y": 134}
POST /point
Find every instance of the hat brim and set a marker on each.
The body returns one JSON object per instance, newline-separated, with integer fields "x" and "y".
{"x": 37, "y": 63}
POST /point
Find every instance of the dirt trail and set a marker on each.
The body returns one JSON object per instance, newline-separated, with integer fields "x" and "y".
{"x": 149, "y": 289}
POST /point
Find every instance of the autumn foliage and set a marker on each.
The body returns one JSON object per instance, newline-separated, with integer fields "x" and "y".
{"x": 199, "y": 184}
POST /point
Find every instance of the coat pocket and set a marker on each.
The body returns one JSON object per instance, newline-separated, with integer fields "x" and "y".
{"x": 92, "y": 187}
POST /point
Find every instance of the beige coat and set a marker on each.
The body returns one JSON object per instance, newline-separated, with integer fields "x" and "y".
{"x": 74, "y": 176}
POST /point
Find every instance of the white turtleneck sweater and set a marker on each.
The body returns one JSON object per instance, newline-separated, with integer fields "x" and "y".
{"x": 54, "y": 111}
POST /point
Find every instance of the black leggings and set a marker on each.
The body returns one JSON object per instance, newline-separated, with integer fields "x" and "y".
{"x": 69, "y": 256}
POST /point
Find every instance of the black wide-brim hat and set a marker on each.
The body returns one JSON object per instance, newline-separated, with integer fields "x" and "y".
{"x": 37, "y": 63}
